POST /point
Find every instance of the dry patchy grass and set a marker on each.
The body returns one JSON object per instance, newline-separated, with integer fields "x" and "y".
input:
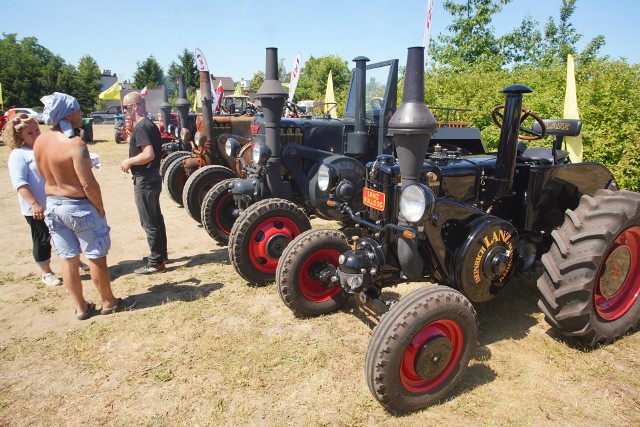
{"x": 203, "y": 348}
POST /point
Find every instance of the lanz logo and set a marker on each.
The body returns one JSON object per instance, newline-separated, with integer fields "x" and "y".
{"x": 373, "y": 199}
{"x": 559, "y": 125}
{"x": 500, "y": 236}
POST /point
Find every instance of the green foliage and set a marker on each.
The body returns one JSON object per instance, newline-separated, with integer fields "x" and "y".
{"x": 313, "y": 80}
{"x": 87, "y": 84}
{"x": 185, "y": 67}
{"x": 257, "y": 80}
{"x": 149, "y": 73}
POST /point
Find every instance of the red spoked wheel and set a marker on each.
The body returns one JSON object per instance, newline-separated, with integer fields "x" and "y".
{"x": 260, "y": 235}
{"x": 420, "y": 349}
{"x": 592, "y": 272}
{"x": 618, "y": 283}
{"x": 305, "y": 270}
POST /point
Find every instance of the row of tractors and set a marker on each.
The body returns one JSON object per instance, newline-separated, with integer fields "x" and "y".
{"x": 415, "y": 200}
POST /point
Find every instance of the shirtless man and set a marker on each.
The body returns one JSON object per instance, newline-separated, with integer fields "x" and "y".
{"x": 75, "y": 213}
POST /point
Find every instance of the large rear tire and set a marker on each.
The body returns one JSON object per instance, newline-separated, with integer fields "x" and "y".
{"x": 170, "y": 158}
{"x": 261, "y": 234}
{"x": 304, "y": 272}
{"x": 591, "y": 283}
{"x": 199, "y": 183}
{"x": 420, "y": 348}
{"x": 219, "y": 211}
{"x": 175, "y": 179}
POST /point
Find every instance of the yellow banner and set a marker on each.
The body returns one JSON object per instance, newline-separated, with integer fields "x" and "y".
{"x": 329, "y": 99}
{"x": 573, "y": 143}
{"x": 112, "y": 93}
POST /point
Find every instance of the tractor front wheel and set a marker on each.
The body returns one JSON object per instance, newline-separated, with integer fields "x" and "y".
{"x": 175, "y": 179}
{"x": 420, "y": 348}
{"x": 260, "y": 235}
{"x": 170, "y": 158}
{"x": 198, "y": 184}
{"x": 303, "y": 276}
{"x": 591, "y": 283}
{"x": 219, "y": 211}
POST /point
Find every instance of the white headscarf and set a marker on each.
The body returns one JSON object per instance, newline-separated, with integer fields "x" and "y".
{"x": 57, "y": 106}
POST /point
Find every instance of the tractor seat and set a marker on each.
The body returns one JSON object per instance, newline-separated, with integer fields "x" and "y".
{"x": 544, "y": 156}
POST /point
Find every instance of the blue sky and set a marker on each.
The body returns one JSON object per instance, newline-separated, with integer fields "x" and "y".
{"x": 233, "y": 34}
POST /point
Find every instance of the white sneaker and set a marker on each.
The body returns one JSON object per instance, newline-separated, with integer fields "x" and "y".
{"x": 50, "y": 279}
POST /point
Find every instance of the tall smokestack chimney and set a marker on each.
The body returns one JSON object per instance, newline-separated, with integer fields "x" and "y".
{"x": 412, "y": 126}
{"x": 272, "y": 96}
{"x": 357, "y": 141}
{"x": 182, "y": 104}
{"x": 165, "y": 108}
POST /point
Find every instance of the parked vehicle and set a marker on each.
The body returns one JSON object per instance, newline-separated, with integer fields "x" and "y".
{"x": 471, "y": 224}
{"x": 37, "y": 115}
{"x": 107, "y": 116}
{"x": 272, "y": 205}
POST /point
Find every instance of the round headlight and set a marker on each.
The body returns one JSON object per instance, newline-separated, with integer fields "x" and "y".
{"x": 232, "y": 147}
{"x": 417, "y": 203}
{"x": 327, "y": 177}
{"x": 260, "y": 153}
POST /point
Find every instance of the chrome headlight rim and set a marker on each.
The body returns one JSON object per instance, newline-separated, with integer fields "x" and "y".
{"x": 328, "y": 177}
{"x": 260, "y": 153}
{"x": 232, "y": 147}
{"x": 417, "y": 203}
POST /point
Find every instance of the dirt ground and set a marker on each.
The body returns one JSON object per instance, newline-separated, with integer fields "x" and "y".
{"x": 204, "y": 348}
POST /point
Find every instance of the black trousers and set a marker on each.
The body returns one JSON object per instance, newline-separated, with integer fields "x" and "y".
{"x": 40, "y": 238}
{"x": 146, "y": 190}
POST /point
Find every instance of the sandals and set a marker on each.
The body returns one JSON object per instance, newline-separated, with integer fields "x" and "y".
{"x": 91, "y": 311}
{"x": 121, "y": 305}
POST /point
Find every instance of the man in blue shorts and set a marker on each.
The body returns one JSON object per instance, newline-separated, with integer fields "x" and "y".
{"x": 75, "y": 213}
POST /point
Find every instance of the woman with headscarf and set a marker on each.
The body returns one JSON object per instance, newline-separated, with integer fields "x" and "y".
{"x": 20, "y": 134}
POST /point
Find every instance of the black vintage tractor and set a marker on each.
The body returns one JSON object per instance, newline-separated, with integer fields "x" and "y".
{"x": 471, "y": 225}
{"x": 261, "y": 214}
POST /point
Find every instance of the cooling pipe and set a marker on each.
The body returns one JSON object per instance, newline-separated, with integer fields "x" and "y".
{"x": 502, "y": 181}
{"x": 357, "y": 141}
{"x": 412, "y": 127}
{"x": 272, "y": 95}
{"x": 165, "y": 109}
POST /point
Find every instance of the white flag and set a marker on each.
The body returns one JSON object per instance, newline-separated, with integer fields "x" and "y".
{"x": 427, "y": 27}
{"x": 295, "y": 75}
{"x": 201, "y": 63}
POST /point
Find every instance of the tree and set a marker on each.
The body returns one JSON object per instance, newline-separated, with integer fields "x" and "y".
{"x": 313, "y": 79}
{"x": 87, "y": 83}
{"x": 186, "y": 67}
{"x": 257, "y": 80}
{"x": 149, "y": 73}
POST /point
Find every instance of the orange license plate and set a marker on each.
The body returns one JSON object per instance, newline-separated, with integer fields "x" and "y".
{"x": 373, "y": 199}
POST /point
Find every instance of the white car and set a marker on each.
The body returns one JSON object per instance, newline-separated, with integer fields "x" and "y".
{"x": 28, "y": 111}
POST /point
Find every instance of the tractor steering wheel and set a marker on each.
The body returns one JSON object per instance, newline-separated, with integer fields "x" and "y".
{"x": 293, "y": 108}
{"x": 527, "y": 134}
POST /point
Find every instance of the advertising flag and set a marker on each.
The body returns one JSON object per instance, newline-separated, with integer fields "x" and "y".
{"x": 112, "y": 93}
{"x": 238, "y": 90}
{"x": 218, "y": 96}
{"x": 201, "y": 63}
{"x": 329, "y": 98}
{"x": 573, "y": 143}
{"x": 427, "y": 26}
{"x": 295, "y": 76}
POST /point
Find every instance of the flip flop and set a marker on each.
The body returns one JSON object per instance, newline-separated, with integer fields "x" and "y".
{"x": 121, "y": 305}
{"x": 91, "y": 310}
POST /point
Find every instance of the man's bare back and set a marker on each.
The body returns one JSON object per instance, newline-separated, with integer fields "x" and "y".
{"x": 65, "y": 165}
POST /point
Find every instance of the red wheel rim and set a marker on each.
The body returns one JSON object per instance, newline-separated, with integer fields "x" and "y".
{"x": 446, "y": 331}
{"x": 222, "y": 211}
{"x": 310, "y": 286}
{"x": 268, "y": 240}
{"x": 618, "y": 282}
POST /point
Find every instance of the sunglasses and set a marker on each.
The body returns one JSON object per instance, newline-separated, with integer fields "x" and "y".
{"x": 126, "y": 107}
{"x": 16, "y": 120}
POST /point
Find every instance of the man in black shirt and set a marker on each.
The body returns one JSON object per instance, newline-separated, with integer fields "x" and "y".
{"x": 145, "y": 144}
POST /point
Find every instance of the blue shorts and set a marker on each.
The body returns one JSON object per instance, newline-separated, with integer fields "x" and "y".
{"x": 75, "y": 225}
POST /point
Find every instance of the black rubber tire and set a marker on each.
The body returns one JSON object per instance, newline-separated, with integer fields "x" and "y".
{"x": 424, "y": 323}
{"x": 116, "y": 136}
{"x": 296, "y": 275}
{"x": 271, "y": 223}
{"x": 199, "y": 183}
{"x": 166, "y": 162}
{"x": 175, "y": 179}
{"x": 217, "y": 211}
{"x": 575, "y": 283}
